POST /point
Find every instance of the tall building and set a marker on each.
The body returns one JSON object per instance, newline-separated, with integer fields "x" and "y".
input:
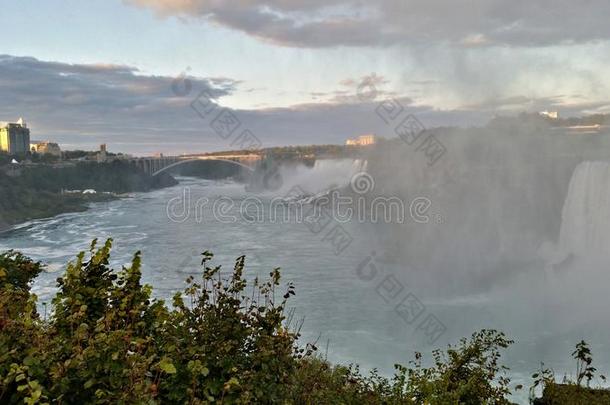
{"x": 101, "y": 155}
{"x": 14, "y": 137}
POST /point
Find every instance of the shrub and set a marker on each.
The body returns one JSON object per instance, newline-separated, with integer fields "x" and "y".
{"x": 467, "y": 374}
{"x": 107, "y": 341}
{"x": 21, "y": 335}
{"x": 222, "y": 340}
{"x": 571, "y": 392}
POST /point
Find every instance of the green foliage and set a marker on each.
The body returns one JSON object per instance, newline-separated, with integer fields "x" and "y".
{"x": 107, "y": 341}
{"x": 467, "y": 374}
{"x": 583, "y": 358}
{"x": 317, "y": 382}
{"x": 570, "y": 392}
{"x": 17, "y": 271}
{"x": 224, "y": 339}
{"x": 226, "y": 343}
{"x": 21, "y": 334}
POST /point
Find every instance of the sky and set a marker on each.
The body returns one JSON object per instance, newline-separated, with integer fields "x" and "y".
{"x": 116, "y": 72}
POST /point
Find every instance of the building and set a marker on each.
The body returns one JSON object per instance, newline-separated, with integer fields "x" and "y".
{"x": 101, "y": 155}
{"x": 549, "y": 114}
{"x": 45, "y": 147}
{"x": 362, "y": 140}
{"x": 14, "y": 137}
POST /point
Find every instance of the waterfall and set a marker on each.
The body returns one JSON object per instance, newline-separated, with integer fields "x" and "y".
{"x": 585, "y": 220}
{"x": 325, "y": 175}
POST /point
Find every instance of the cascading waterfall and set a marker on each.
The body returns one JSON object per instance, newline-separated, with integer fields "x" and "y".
{"x": 325, "y": 175}
{"x": 585, "y": 225}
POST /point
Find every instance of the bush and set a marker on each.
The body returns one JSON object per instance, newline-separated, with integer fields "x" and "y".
{"x": 571, "y": 392}
{"x": 466, "y": 374}
{"x": 223, "y": 340}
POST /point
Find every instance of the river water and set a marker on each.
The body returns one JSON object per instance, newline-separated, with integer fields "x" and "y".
{"x": 349, "y": 299}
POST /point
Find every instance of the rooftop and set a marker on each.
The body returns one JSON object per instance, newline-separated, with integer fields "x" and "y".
{"x": 20, "y": 122}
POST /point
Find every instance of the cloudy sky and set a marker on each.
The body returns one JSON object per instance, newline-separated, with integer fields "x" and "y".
{"x": 125, "y": 72}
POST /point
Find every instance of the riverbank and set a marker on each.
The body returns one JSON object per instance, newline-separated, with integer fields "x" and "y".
{"x": 39, "y": 192}
{"x": 45, "y": 205}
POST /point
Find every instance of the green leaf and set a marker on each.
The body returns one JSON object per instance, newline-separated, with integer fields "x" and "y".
{"x": 166, "y": 365}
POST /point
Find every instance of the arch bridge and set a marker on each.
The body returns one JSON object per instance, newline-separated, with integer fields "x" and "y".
{"x": 156, "y": 165}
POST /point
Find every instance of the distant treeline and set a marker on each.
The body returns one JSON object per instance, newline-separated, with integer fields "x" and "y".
{"x": 116, "y": 176}
{"x": 295, "y": 152}
{"x": 36, "y": 157}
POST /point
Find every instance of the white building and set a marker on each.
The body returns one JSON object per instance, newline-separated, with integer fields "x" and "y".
{"x": 550, "y": 114}
{"x": 362, "y": 140}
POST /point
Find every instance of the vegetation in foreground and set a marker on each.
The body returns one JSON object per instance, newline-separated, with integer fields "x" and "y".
{"x": 223, "y": 340}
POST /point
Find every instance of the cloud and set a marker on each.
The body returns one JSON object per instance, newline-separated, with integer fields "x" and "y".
{"x": 81, "y": 106}
{"x": 318, "y": 23}
{"x": 89, "y": 104}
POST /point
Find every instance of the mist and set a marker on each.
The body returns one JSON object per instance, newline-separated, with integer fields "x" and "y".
{"x": 518, "y": 229}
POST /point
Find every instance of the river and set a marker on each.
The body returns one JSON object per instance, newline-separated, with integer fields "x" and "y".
{"x": 349, "y": 302}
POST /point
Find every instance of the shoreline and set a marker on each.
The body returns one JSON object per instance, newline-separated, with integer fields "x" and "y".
{"x": 38, "y": 193}
{"x": 74, "y": 206}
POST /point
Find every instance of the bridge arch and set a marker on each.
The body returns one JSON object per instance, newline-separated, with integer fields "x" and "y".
{"x": 181, "y": 162}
